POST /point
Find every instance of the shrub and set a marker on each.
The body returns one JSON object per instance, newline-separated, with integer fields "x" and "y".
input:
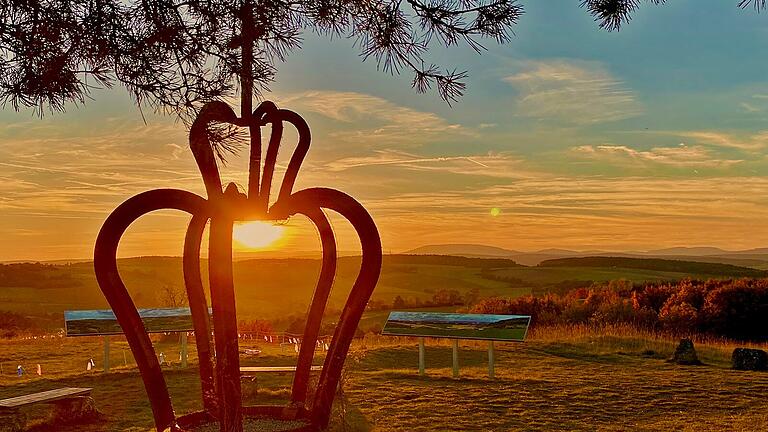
{"x": 255, "y": 326}
{"x": 13, "y": 324}
{"x": 679, "y": 317}
{"x": 736, "y": 309}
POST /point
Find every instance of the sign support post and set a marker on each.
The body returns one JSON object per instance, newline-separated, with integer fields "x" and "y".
{"x": 106, "y": 353}
{"x": 455, "y": 326}
{"x": 491, "y": 371}
{"x": 421, "y": 357}
{"x": 183, "y": 349}
{"x": 455, "y": 358}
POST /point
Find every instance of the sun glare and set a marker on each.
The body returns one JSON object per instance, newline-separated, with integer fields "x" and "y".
{"x": 257, "y": 234}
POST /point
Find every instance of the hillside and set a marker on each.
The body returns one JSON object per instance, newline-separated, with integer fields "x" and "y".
{"x": 755, "y": 258}
{"x": 279, "y": 289}
{"x": 656, "y": 264}
{"x": 458, "y": 249}
{"x": 690, "y": 251}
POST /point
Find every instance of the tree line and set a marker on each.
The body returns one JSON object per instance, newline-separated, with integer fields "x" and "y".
{"x": 734, "y": 308}
{"x": 36, "y": 275}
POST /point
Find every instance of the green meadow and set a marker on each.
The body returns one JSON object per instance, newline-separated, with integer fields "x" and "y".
{"x": 278, "y": 289}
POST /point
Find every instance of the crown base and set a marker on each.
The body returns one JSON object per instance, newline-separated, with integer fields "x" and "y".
{"x": 260, "y": 418}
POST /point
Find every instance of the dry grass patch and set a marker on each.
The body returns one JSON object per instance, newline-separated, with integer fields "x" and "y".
{"x": 562, "y": 379}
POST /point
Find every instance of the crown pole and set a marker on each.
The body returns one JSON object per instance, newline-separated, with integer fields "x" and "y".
{"x": 225, "y": 317}
{"x": 198, "y": 306}
{"x": 116, "y": 293}
{"x": 317, "y": 307}
{"x": 254, "y": 162}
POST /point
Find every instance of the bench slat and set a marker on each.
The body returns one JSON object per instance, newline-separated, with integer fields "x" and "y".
{"x": 46, "y": 396}
{"x": 274, "y": 368}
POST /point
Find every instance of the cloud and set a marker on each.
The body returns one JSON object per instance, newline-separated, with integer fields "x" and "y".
{"x": 582, "y": 212}
{"x": 573, "y": 92}
{"x": 364, "y": 118}
{"x": 680, "y": 156}
{"x": 750, "y": 143}
{"x": 57, "y": 169}
{"x": 397, "y": 158}
{"x": 749, "y": 108}
{"x": 490, "y": 165}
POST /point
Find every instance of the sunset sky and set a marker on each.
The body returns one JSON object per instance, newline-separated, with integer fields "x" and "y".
{"x": 652, "y": 137}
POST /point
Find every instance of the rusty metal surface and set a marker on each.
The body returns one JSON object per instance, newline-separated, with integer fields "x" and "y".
{"x": 220, "y": 380}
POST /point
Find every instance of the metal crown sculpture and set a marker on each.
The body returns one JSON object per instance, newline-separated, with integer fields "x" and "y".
{"x": 221, "y": 393}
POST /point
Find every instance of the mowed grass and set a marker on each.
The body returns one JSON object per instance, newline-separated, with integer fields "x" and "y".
{"x": 561, "y": 379}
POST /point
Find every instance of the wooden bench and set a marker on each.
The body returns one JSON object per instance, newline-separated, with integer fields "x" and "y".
{"x": 249, "y": 372}
{"x": 251, "y": 369}
{"x": 68, "y": 401}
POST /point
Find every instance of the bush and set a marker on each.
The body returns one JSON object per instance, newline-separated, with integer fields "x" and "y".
{"x": 263, "y": 327}
{"x": 13, "y": 325}
{"x": 679, "y": 318}
{"x": 736, "y": 309}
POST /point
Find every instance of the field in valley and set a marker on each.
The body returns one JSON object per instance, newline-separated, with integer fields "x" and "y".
{"x": 561, "y": 379}
{"x": 274, "y": 289}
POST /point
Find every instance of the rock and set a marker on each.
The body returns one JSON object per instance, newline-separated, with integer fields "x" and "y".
{"x": 685, "y": 353}
{"x": 749, "y": 359}
{"x": 74, "y": 410}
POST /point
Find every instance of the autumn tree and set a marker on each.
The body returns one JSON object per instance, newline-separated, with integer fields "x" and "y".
{"x": 446, "y": 297}
{"x": 172, "y": 295}
{"x": 398, "y": 303}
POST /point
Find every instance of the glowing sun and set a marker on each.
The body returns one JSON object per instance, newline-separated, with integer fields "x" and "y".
{"x": 257, "y": 234}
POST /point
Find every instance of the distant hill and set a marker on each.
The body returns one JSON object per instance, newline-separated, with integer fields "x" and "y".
{"x": 690, "y": 251}
{"x": 468, "y": 250}
{"x": 448, "y": 260}
{"x": 656, "y": 264}
{"x": 755, "y": 258}
{"x": 485, "y": 251}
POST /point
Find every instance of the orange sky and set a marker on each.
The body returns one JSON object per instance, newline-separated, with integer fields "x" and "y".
{"x": 574, "y": 136}
{"x": 62, "y": 182}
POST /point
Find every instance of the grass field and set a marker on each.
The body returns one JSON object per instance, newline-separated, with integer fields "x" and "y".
{"x": 562, "y": 379}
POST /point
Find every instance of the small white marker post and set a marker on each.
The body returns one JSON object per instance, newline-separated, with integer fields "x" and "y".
{"x": 421, "y": 357}
{"x": 491, "y": 371}
{"x": 455, "y": 358}
{"x": 183, "y": 349}
{"x": 106, "y": 353}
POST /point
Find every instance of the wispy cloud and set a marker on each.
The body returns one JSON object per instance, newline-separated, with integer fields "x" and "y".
{"x": 746, "y": 142}
{"x": 365, "y": 118}
{"x": 583, "y": 212}
{"x": 489, "y": 165}
{"x": 680, "y": 156}
{"x": 572, "y": 91}
{"x": 398, "y": 158}
{"x": 750, "y": 108}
